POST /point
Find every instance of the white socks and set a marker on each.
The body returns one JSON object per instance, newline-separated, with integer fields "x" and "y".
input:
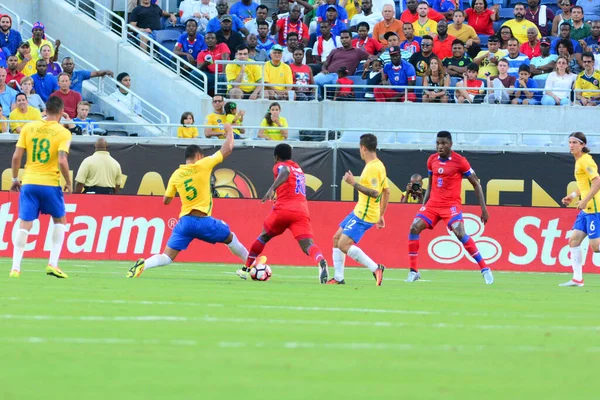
{"x": 19, "y": 248}
{"x": 576, "y": 259}
{"x": 339, "y": 258}
{"x": 359, "y": 256}
{"x": 58, "y": 238}
{"x": 237, "y": 248}
{"x": 157, "y": 260}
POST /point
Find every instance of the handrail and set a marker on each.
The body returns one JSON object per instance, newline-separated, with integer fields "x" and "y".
{"x": 123, "y": 33}
{"x": 16, "y": 16}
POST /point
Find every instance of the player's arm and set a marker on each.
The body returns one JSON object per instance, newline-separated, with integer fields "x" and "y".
{"x": 16, "y": 166}
{"x": 428, "y": 191}
{"x": 479, "y": 193}
{"x": 284, "y": 174}
{"x": 227, "y": 147}
{"x": 593, "y": 191}
{"x": 568, "y": 199}
{"x": 385, "y": 198}
{"x": 63, "y": 165}
{"x": 349, "y": 179}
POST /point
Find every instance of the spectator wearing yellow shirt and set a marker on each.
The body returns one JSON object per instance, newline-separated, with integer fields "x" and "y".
{"x": 38, "y": 39}
{"x": 3, "y": 123}
{"x": 187, "y": 132}
{"x": 217, "y": 118}
{"x": 414, "y": 190}
{"x": 26, "y": 62}
{"x": 273, "y": 124}
{"x": 277, "y": 72}
{"x": 519, "y": 24}
{"x": 243, "y": 73}
{"x": 23, "y": 112}
{"x": 423, "y": 25}
{"x": 465, "y": 33}
{"x": 235, "y": 118}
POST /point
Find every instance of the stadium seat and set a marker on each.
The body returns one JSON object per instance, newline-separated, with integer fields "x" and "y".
{"x": 166, "y": 35}
{"x": 385, "y": 137}
{"x": 406, "y": 138}
{"x": 498, "y": 25}
{"x": 359, "y": 93}
{"x": 505, "y": 14}
{"x": 534, "y": 139}
{"x": 419, "y": 92}
{"x": 116, "y": 133}
{"x": 96, "y": 116}
{"x": 484, "y": 40}
{"x": 493, "y": 139}
{"x": 95, "y": 108}
{"x": 350, "y": 136}
{"x": 178, "y": 28}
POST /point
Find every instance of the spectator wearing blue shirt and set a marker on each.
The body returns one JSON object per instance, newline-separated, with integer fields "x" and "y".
{"x": 514, "y": 57}
{"x": 244, "y": 10}
{"x": 7, "y": 95}
{"x": 77, "y": 77}
{"x": 564, "y": 32}
{"x": 86, "y": 125}
{"x": 341, "y": 11}
{"x": 264, "y": 40}
{"x": 214, "y": 25}
{"x": 9, "y": 38}
{"x": 521, "y": 94}
{"x": 446, "y": 7}
{"x": 396, "y": 73}
{"x": 335, "y": 22}
{"x": 44, "y": 84}
{"x": 190, "y": 43}
{"x": 592, "y": 43}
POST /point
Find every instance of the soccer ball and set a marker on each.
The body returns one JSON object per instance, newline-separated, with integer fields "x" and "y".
{"x": 261, "y": 272}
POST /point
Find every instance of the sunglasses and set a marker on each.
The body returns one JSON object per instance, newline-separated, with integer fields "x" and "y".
{"x": 426, "y": 44}
{"x": 587, "y": 61}
{"x": 217, "y": 101}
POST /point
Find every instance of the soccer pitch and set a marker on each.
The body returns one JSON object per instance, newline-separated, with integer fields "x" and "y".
{"x": 191, "y": 331}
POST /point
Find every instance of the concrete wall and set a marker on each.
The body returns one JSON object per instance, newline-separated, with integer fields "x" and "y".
{"x": 25, "y": 8}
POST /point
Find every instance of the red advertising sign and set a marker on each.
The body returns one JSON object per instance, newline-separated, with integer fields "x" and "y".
{"x": 129, "y": 227}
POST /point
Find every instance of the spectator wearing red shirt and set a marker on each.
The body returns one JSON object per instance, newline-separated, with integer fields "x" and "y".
{"x": 302, "y": 75}
{"x": 69, "y": 97}
{"x": 410, "y": 15}
{"x": 291, "y": 23}
{"x": 368, "y": 44}
{"x": 531, "y": 48}
{"x": 206, "y": 59}
{"x": 482, "y": 18}
{"x": 343, "y": 93}
{"x": 442, "y": 43}
{"x": 12, "y": 74}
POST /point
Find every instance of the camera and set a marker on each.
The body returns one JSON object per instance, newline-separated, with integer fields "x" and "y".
{"x": 415, "y": 187}
{"x": 208, "y": 58}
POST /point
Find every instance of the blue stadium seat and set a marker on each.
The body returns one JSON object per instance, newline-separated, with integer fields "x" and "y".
{"x": 163, "y": 35}
{"x": 493, "y": 139}
{"x": 359, "y": 93}
{"x": 385, "y": 137}
{"x": 484, "y": 40}
{"x": 406, "y": 138}
{"x": 539, "y": 140}
{"x": 179, "y": 28}
{"x": 419, "y": 92}
{"x": 497, "y": 25}
{"x": 351, "y": 137}
{"x": 453, "y": 81}
{"x": 506, "y": 14}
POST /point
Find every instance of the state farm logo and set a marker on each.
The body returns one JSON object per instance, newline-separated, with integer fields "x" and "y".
{"x": 448, "y": 249}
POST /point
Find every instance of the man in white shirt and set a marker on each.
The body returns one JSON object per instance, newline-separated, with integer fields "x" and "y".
{"x": 367, "y": 15}
{"x": 262, "y": 12}
{"x": 200, "y": 10}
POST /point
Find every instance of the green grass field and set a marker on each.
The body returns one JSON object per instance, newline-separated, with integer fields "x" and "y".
{"x": 192, "y": 331}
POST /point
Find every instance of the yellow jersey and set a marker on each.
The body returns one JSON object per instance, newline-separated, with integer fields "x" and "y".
{"x": 36, "y": 51}
{"x": 42, "y": 141}
{"x": 519, "y": 29}
{"x": 373, "y": 177}
{"x": 588, "y": 82}
{"x": 252, "y": 74}
{"x": 187, "y": 132}
{"x": 216, "y": 119}
{"x": 465, "y": 33}
{"x": 281, "y": 74}
{"x": 32, "y": 114}
{"x": 586, "y": 170}
{"x": 273, "y": 131}
{"x": 427, "y": 28}
{"x": 229, "y": 118}
{"x": 192, "y": 182}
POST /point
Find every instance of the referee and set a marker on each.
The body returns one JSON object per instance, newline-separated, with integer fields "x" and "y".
{"x": 99, "y": 173}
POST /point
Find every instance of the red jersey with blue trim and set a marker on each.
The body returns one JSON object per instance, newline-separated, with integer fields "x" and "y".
{"x": 291, "y": 195}
{"x": 446, "y": 175}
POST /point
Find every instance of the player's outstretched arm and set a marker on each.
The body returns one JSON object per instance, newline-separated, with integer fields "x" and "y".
{"x": 227, "y": 147}
{"x": 284, "y": 174}
{"x": 16, "y": 166}
{"x": 385, "y": 198}
{"x": 428, "y": 191}
{"x": 349, "y": 179}
{"x": 63, "y": 165}
{"x": 568, "y": 199}
{"x": 479, "y": 193}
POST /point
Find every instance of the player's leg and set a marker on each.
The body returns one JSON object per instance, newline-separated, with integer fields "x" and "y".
{"x": 426, "y": 218}
{"x": 275, "y": 224}
{"x": 339, "y": 258}
{"x": 458, "y": 227}
{"x": 19, "y": 242}
{"x": 236, "y": 247}
{"x": 581, "y": 229}
{"x": 53, "y": 203}
{"x": 257, "y": 248}
{"x": 302, "y": 230}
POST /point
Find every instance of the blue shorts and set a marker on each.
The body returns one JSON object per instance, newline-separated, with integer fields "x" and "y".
{"x": 588, "y": 223}
{"x": 206, "y": 229}
{"x": 36, "y": 199}
{"x": 354, "y": 227}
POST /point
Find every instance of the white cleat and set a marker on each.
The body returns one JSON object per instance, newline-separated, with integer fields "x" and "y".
{"x": 487, "y": 275}
{"x": 242, "y": 274}
{"x": 413, "y": 276}
{"x": 572, "y": 283}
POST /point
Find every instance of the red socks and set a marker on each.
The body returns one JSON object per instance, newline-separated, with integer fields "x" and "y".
{"x": 413, "y": 251}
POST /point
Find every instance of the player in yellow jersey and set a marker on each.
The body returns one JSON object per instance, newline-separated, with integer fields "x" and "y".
{"x": 373, "y": 197}
{"x": 192, "y": 182}
{"x": 46, "y": 144}
{"x": 588, "y": 219}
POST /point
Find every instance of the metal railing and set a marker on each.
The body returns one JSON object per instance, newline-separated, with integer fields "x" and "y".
{"x": 14, "y": 16}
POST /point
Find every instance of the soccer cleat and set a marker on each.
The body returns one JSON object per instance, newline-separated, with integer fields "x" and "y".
{"x": 413, "y": 276}
{"x": 137, "y": 269}
{"x": 14, "y": 274}
{"x": 573, "y": 283}
{"x": 378, "y": 274}
{"x": 487, "y": 275}
{"x": 332, "y": 281}
{"x": 323, "y": 271}
{"x": 56, "y": 272}
{"x": 242, "y": 274}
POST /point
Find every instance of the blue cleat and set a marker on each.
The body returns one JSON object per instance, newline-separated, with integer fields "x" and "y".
{"x": 487, "y": 275}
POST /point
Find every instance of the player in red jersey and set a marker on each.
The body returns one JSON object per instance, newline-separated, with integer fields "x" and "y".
{"x": 290, "y": 211}
{"x": 442, "y": 202}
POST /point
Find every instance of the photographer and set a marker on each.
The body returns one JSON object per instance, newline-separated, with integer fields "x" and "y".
{"x": 414, "y": 190}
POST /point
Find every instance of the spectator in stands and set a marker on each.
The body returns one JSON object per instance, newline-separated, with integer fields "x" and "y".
{"x": 44, "y": 83}
{"x": 434, "y": 78}
{"x": 226, "y": 35}
{"x": 505, "y": 33}
{"x": 13, "y": 75}
{"x": 22, "y": 112}
{"x": 69, "y": 97}
{"x": 146, "y": 18}
{"x": 500, "y": 83}
{"x": 342, "y": 14}
{"x": 85, "y": 125}
{"x": 411, "y": 15}
{"x": 190, "y": 43}
{"x": 542, "y": 65}
{"x": 465, "y": 33}
{"x": 592, "y": 43}
{"x": 366, "y": 15}
{"x": 303, "y": 76}
{"x": 373, "y": 75}
{"x": 457, "y": 64}
{"x": 396, "y": 73}
{"x": 244, "y": 10}
{"x": 9, "y": 38}
{"x": 482, "y": 18}
{"x": 346, "y": 56}
{"x": 262, "y": 12}
{"x": 185, "y": 131}
{"x": 3, "y": 57}
{"x": 237, "y": 25}
{"x": 77, "y": 77}
{"x": 38, "y": 39}
{"x": 26, "y": 62}
{"x": 249, "y": 75}
{"x": 53, "y": 67}
{"x": 291, "y": 24}
{"x": 336, "y": 25}
{"x": 277, "y": 73}
{"x": 264, "y": 40}
{"x": 393, "y": 41}
{"x": 580, "y": 30}
{"x": 424, "y": 25}
{"x": 345, "y": 92}
{"x": 7, "y": 95}
{"x": 488, "y": 59}
{"x": 420, "y": 60}
{"x": 565, "y": 16}
{"x": 412, "y": 44}
{"x": 469, "y": 89}
{"x": 389, "y": 24}
{"x": 588, "y": 79}
{"x": 442, "y": 43}
{"x": 565, "y": 33}
{"x": 216, "y": 118}
{"x": 519, "y": 24}
{"x": 591, "y": 8}
{"x": 273, "y": 124}
{"x": 523, "y": 94}
{"x": 541, "y": 16}
{"x": 363, "y": 41}
{"x": 559, "y": 84}
{"x": 323, "y": 46}
{"x": 122, "y": 95}
{"x": 292, "y": 44}
{"x": 515, "y": 58}
{"x": 33, "y": 99}
{"x": 99, "y": 173}
{"x": 531, "y": 48}
{"x": 3, "y": 122}
{"x": 414, "y": 190}
{"x": 206, "y": 59}
{"x": 235, "y": 118}
{"x": 258, "y": 55}
{"x": 200, "y": 11}
{"x": 565, "y": 49}
{"x": 446, "y": 7}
